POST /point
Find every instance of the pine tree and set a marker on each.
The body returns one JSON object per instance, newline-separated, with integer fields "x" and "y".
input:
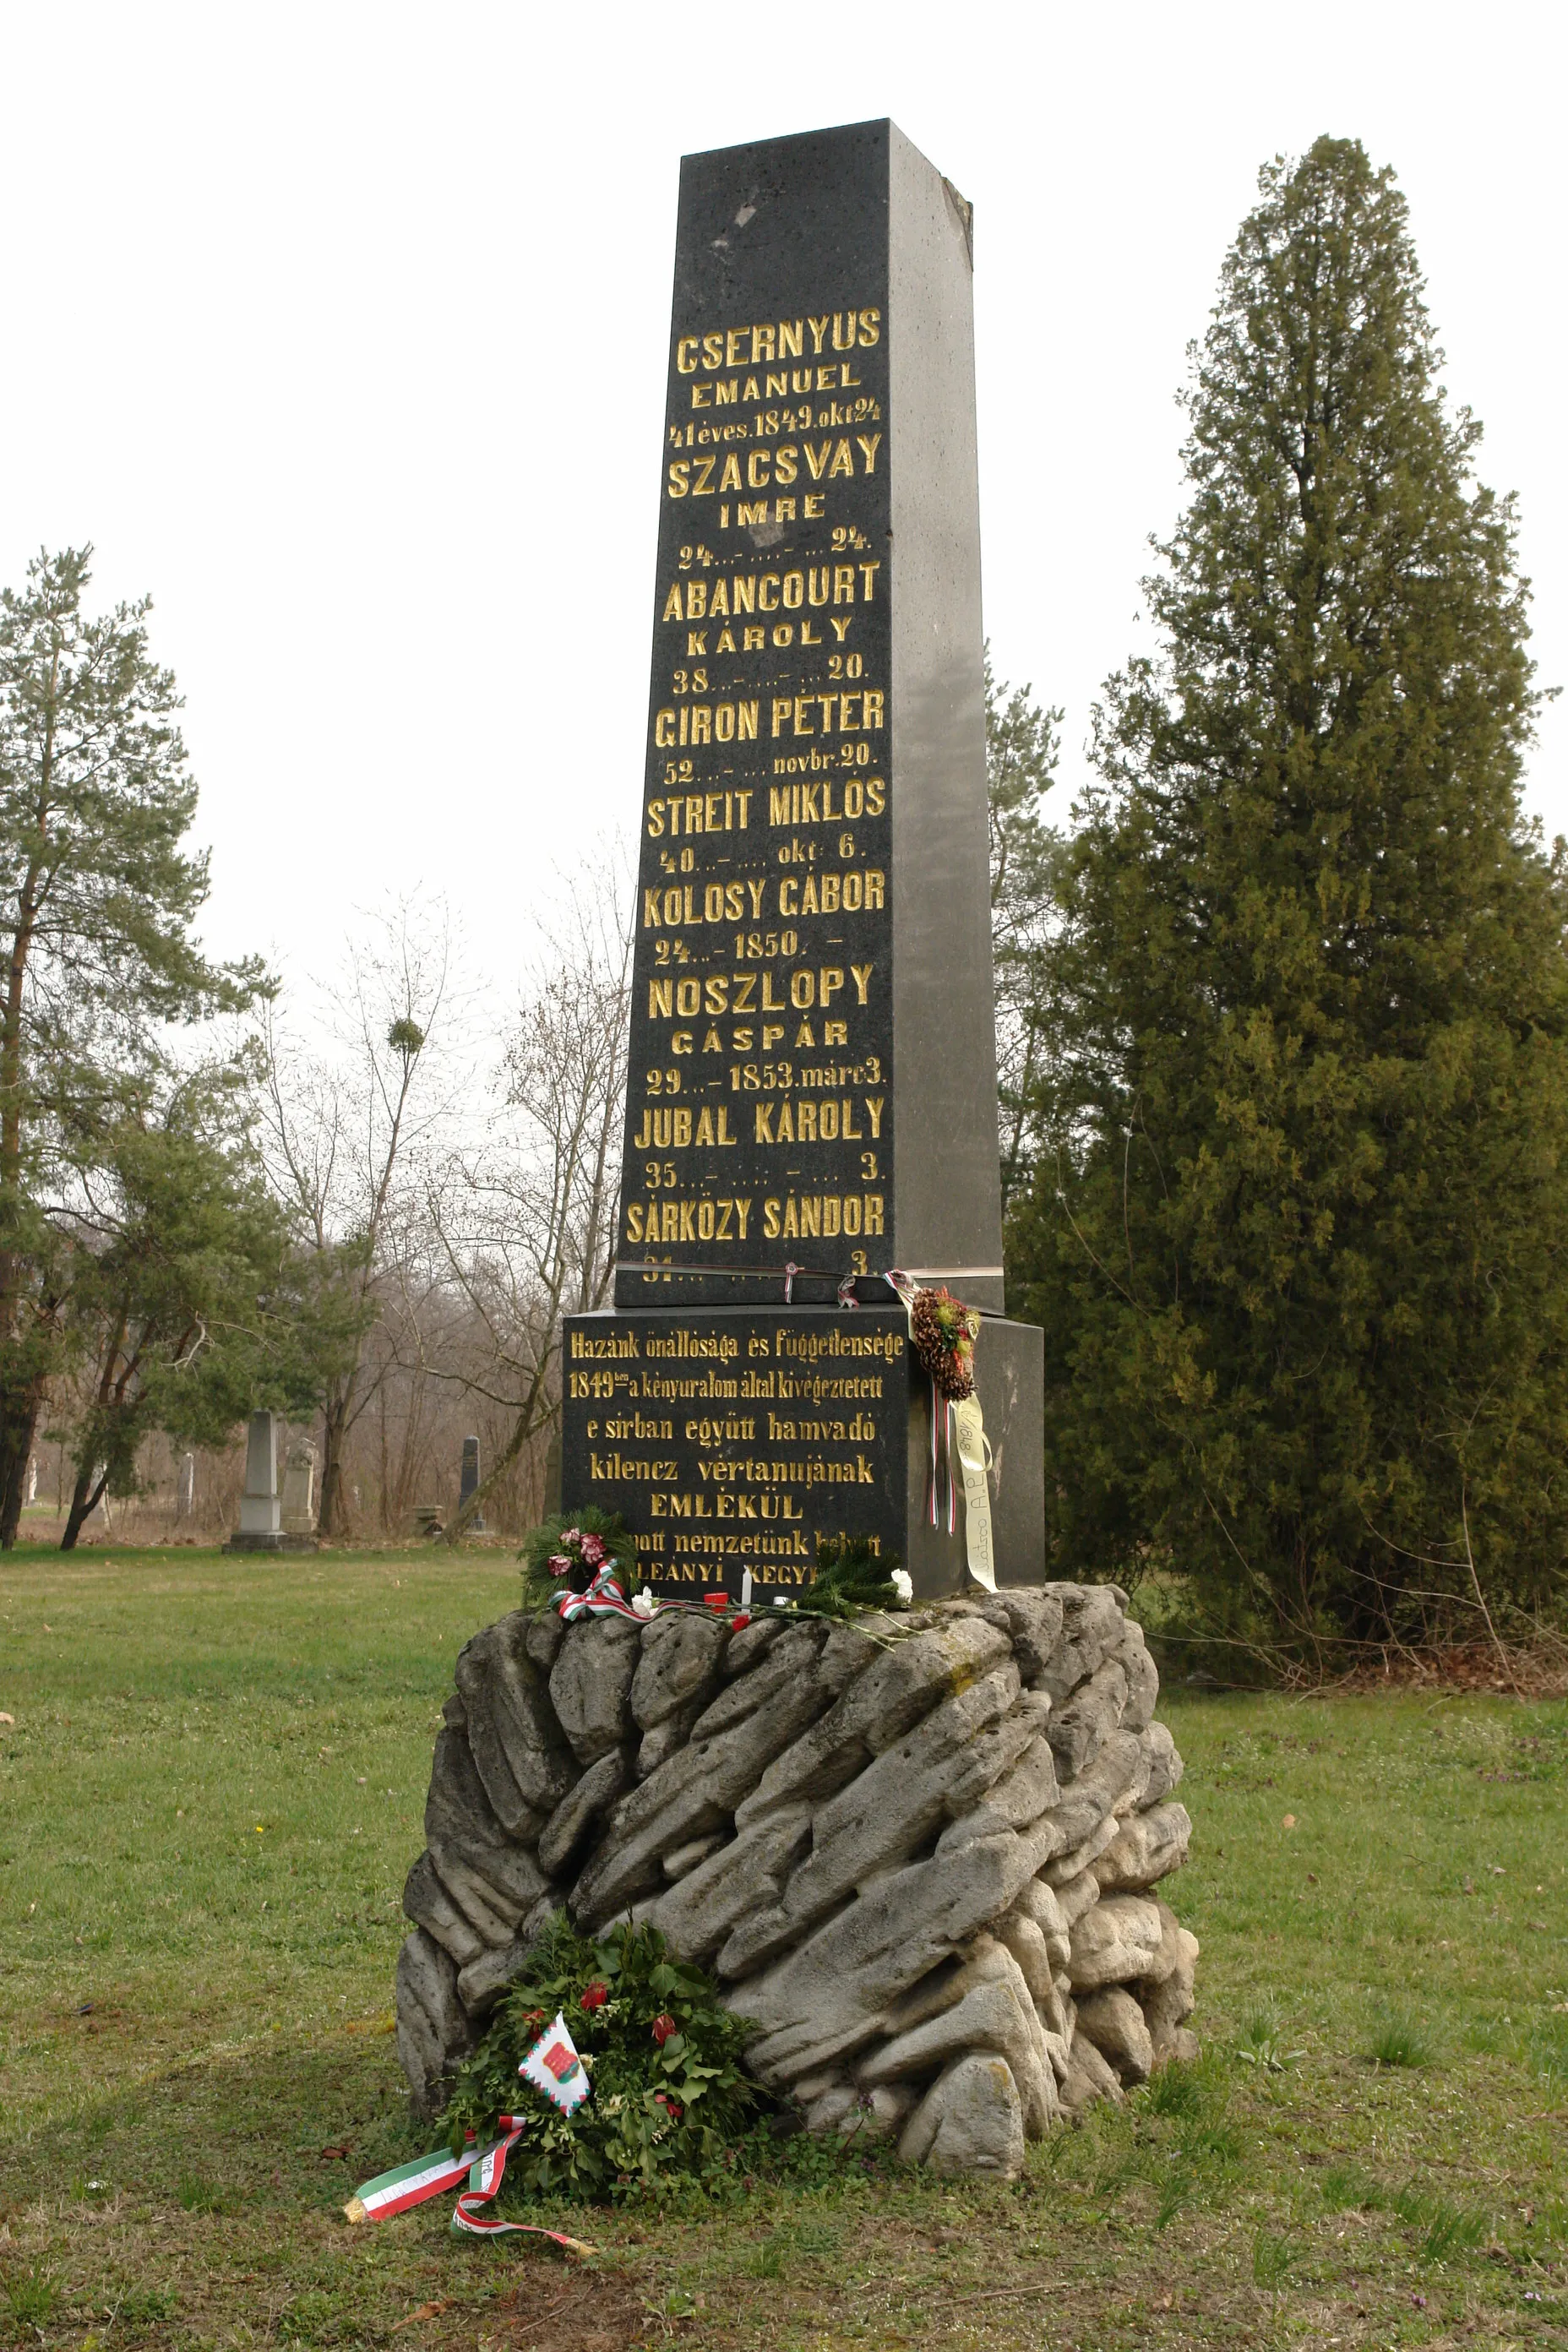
{"x": 187, "y": 1307}
{"x": 1299, "y": 1245}
{"x": 1023, "y": 743}
{"x": 97, "y": 893}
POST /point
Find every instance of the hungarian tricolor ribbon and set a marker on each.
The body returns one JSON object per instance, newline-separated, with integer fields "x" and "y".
{"x": 412, "y": 2184}
{"x": 604, "y": 1598}
{"x": 553, "y": 2066}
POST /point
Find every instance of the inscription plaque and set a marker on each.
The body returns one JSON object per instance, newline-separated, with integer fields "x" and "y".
{"x": 812, "y": 1095}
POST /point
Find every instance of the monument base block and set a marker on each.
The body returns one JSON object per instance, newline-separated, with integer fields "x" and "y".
{"x": 731, "y": 1439}
{"x": 268, "y": 1539}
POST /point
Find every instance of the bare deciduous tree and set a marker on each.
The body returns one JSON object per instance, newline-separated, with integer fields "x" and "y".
{"x": 349, "y": 1132}
{"x": 526, "y": 1222}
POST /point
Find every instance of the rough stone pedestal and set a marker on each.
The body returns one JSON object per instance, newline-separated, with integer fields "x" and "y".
{"x": 926, "y": 1865}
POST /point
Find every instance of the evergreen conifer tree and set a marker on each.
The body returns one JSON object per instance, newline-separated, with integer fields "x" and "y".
{"x": 1300, "y": 1243}
{"x": 98, "y": 896}
{"x": 1023, "y": 743}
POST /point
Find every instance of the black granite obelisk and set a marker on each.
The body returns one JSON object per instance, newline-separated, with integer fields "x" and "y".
{"x": 813, "y": 1084}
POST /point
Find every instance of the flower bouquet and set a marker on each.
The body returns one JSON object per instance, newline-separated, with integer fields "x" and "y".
{"x": 571, "y": 1552}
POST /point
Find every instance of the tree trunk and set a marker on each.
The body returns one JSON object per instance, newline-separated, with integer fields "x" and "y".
{"x": 85, "y": 1495}
{"x": 331, "y": 1519}
{"x": 19, "y": 1411}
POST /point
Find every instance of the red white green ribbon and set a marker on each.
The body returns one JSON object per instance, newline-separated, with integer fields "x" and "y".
{"x": 554, "y": 2067}
{"x": 604, "y": 1598}
{"x": 412, "y": 2184}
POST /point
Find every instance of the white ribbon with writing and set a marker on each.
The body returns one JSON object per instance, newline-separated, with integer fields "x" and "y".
{"x": 973, "y": 1461}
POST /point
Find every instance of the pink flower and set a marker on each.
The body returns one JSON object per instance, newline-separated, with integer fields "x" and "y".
{"x": 663, "y": 2027}
{"x": 561, "y": 1564}
{"x": 570, "y": 1535}
{"x": 592, "y": 1551}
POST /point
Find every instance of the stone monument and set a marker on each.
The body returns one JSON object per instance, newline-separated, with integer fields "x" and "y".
{"x": 469, "y": 1483}
{"x": 299, "y": 1489}
{"x": 812, "y": 1101}
{"x": 923, "y": 1853}
{"x": 261, "y": 1527}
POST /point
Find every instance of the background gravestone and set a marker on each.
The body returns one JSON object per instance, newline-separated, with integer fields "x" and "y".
{"x": 811, "y": 1097}
{"x": 299, "y": 1489}
{"x": 261, "y": 1527}
{"x": 469, "y": 1483}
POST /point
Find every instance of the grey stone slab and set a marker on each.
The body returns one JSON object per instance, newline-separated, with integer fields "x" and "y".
{"x": 1164, "y": 1765}
{"x": 746, "y": 1874}
{"x": 427, "y": 1902}
{"x": 1080, "y": 1724}
{"x": 1145, "y": 1849}
{"x": 879, "y": 1707}
{"x": 1142, "y": 1680}
{"x": 591, "y": 1684}
{"x": 789, "y": 1660}
{"x": 1032, "y": 1618}
{"x": 481, "y": 1985}
{"x": 461, "y": 1820}
{"x": 542, "y": 1636}
{"x": 571, "y": 1824}
{"x": 1092, "y": 1624}
{"x": 890, "y": 1810}
{"x": 1094, "y": 1793}
{"x": 665, "y": 1740}
{"x": 1115, "y": 2024}
{"x": 748, "y": 1646}
{"x": 827, "y": 1997}
{"x": 433, "y": 2028}
{"x": 1115, "y": 1942}
{"x": 698, "y": 1790}
{"x": 970, "y": 2121}
{"x": 522, "y": 1758}
{"x": 681, "y": 1661}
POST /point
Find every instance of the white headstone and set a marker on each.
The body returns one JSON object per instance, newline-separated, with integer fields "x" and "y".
{"x": 186, "y": 1502}
{"x": 259, "y": 1514}
{"x": 299, "y": 1489}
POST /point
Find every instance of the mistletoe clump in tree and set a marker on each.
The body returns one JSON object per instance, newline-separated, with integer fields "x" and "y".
{"x": 1299, "y": 1247}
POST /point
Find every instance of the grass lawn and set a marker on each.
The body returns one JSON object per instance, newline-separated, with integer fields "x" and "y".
{"x": 208, "y": 1799}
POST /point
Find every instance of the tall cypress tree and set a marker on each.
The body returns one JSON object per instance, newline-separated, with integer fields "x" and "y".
{"x": 1299, "y": 1247}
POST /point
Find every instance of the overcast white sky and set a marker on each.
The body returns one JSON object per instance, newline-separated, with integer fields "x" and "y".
{"x": 341, "y": 329}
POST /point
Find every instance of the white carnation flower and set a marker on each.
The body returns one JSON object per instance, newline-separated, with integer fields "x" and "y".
{"x": 642, "y": 1602}
{"x": 903, "y": 1585}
